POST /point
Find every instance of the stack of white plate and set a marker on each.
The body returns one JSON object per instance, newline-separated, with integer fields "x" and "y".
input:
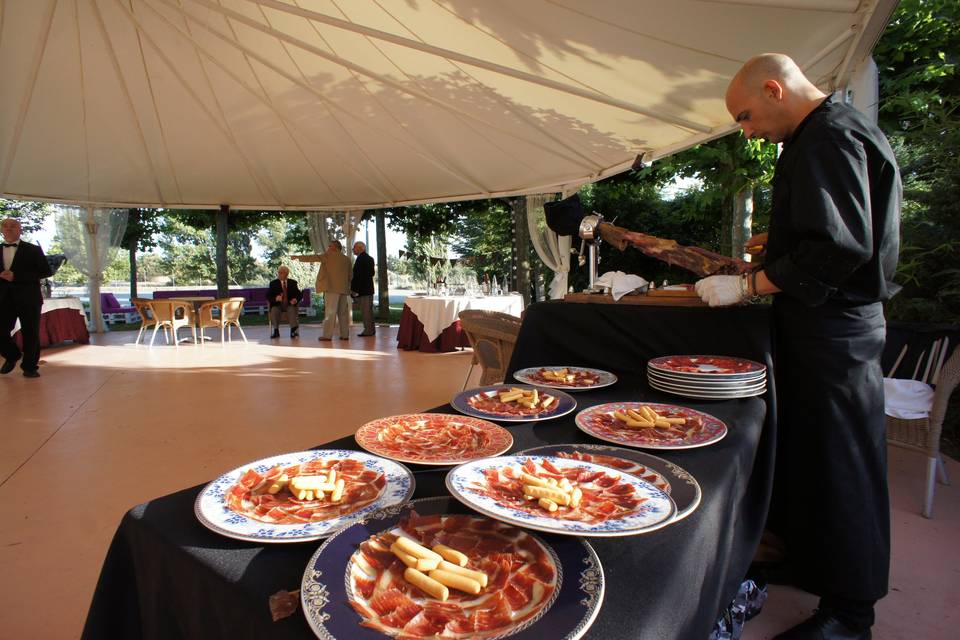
{"x": 708, "y": 377}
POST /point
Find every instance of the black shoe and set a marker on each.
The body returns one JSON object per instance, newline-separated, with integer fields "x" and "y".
{"x": 366, "y": 335}
{"x": 294, "y": 333}
{"x": 33, "y": 373}
{"x": 275, "y": 334}
{"x": 823, "y": 625}
{"x": 8, "y": 365}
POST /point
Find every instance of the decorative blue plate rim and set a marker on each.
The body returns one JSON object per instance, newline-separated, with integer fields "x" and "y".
{"x": 565, "y": 403}
{"x": 210, "y": 509}
{"x": 684, "y": 488}
{"x": 606, "y": 378}
{"x": 580, "y": 421}
{"x": 657, "y": 513}
{"x": 718, "y": 384}
{"x": 581, "y": 581}
{"x": 706, "y": 395}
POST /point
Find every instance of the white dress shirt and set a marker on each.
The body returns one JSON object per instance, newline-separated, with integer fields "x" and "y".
{"x": 8, "y": 253}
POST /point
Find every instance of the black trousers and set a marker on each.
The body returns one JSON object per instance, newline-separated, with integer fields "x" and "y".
{"x": 29, "y": 315}
{"x": 830, "y": 500}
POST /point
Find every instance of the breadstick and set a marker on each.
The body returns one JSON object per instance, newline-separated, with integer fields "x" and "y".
{"x": 575, "y": 497}
{"x": 543, "y": 492}
{"x": 534, "y": 480}
{"x": 547, "y": 401}
{"x": 426, "y": 584}
{"x": 549, "y": 505}
{"x": 676, "y": 420}
{"x": 420, "y": 564}
{"x": 455, "y": 580}
{"x": 416, "y": 549}
{"x": 451, "y": 555}
{"x": 337, "y": 490}
{"x": 479, "y": 576}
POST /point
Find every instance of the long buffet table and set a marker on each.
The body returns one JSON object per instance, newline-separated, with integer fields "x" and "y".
{"x": 61, "y": 319}
{"x": 430, "y": 324}
{"x": 166, "y": 576}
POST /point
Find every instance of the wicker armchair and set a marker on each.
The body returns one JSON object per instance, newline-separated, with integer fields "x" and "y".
{"x": 492, "y": 335}
{"x": 230, "y": 310}
{"x": 172, "y": 315}
{"x": 923, "y": 434}
{"x": 147, "y": 318}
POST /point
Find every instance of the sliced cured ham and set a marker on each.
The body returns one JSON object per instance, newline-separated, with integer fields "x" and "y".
{"x": 574, "y": 377}
{"x": 604, "y": 496}
{"x": 523, "y": 580}
{"x": 489, "y": 402}
{"x": 627, "y": 466}
{"x": 433, "y": 438}
{"x": 250, "y": 496}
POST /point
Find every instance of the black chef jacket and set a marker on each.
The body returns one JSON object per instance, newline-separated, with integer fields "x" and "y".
{"x": 832, "y": 250}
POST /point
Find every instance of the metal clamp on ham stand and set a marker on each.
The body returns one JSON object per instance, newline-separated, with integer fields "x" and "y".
{"x": 567, "y": 218}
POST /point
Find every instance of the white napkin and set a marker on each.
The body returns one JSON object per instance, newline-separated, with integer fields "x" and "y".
{"x": 907, "y": 399}
{"x": 620, "y": 283}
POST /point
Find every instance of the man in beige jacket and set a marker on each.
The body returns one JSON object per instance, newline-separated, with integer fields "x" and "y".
{"x": 334, "y": 281}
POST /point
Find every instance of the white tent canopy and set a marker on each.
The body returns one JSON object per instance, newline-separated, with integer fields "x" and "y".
{"x": 353, "y": 104}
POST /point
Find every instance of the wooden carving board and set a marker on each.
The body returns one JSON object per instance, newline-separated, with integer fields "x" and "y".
{"x": 657, "y": 297}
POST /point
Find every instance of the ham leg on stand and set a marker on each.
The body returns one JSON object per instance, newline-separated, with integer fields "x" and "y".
{"x": 700, "y": 261}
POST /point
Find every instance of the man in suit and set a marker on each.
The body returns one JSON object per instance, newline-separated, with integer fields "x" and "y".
{"x": 361, "y": 286}
{"x": 284, "y": 296}
{"x": 334, "y": 281}
{"x": 24, "y": 266}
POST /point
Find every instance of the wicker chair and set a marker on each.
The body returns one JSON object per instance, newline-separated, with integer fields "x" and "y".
{"x": 172, "y": 315}
{"x": 230, "y": 310}
{"x": 923, "y": 434}
{"x": 492, "y": 335}
{"x": 147, "y": 319}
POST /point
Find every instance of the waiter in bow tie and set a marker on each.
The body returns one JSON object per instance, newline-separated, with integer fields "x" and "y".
{"x": 24, "y": 266}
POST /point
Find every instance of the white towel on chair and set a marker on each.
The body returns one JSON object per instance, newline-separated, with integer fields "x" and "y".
{"x": 907, "y": 399}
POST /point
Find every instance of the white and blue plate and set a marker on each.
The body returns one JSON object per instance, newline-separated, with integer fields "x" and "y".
{"x": 564, "y": 404}
{"x": 526, "y": 376}
{"x": 212, "y": 511}
{"x": 464, "y": 482}
{"x": 325, "y": 590}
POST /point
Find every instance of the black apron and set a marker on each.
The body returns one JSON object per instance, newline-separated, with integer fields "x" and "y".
{"x": 830, "y": 499}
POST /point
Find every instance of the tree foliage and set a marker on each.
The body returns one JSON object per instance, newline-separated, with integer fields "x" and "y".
{"x": 30, "y": 214}
{"x": 920, "y": 89}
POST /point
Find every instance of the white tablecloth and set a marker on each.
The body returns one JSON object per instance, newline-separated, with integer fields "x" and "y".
{"x": 436, "y": 313}
{"x": 49, "y": 304}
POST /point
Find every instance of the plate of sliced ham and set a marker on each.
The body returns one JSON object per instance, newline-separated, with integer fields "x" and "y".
{"x": 296, "y": 497}
{"x": 567, "y": 378}
{"x": 663, "y": 474}
{"x": 431, "y": 568}
{"x": 514, "y": 403}
{"x": 561, "y": 495}
{"x": 433, "y": 438}
{"x": 651, "y": 425}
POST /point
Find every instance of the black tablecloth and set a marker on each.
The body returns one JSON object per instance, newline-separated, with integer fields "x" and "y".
{"x": 167, "y": 577}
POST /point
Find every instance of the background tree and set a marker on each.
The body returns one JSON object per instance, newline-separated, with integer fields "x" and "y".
{"x": 143, "y": 227}
{"x": 919, "y": 93}
{"x": 30, "y": 214}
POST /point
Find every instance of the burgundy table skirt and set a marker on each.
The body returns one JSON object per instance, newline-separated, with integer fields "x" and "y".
{"x": 411, "y": 337}
{"x": 59, "y": 325}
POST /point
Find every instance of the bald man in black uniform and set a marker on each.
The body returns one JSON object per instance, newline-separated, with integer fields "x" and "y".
{"x": 831, "y": 254}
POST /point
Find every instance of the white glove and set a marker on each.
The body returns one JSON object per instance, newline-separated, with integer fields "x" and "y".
{"x": 719, "y": 291}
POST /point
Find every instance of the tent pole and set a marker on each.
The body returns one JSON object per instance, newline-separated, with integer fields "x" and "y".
{"x": 223, "y": 289}
{"x": 96, "y": 273}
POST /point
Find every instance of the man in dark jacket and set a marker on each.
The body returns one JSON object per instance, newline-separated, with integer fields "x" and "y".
{"x": 361, "y": 286}
{"x": 24, "y": 266}
{"x": 284, "y": 296}
{"x": 830, "y": 259}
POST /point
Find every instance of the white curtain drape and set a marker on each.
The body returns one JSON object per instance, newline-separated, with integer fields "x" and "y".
{"x": 553, "y": 250}
{"x": 91, "y": 239}
{"x": 317, "y": 230}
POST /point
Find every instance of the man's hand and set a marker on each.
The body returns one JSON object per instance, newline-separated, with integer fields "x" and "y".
{"x": 7, "y": 275}
{"x": 279, "y": 297}
{"x": 757, "y": 245}
{"x": 720, "y": 291}
{"x": 294, "y": 302}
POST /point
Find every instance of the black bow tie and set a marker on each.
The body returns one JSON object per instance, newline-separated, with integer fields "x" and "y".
{"x": 10, "y": 245}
